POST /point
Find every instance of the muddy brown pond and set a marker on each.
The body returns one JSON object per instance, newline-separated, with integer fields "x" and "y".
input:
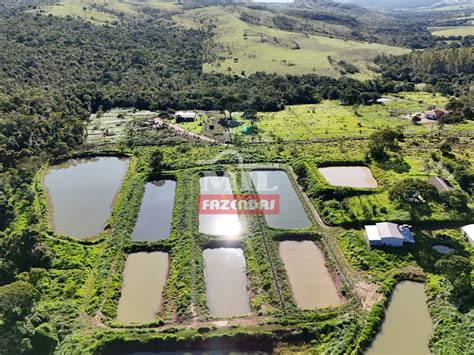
{"x": 226, "y": 282}
{"x": 407, "y": 326}
{"x": 156, "y": 211}
{"x": 223, "y": 225}
{"x": 310, "y": 280}
{"x": 81, "y": 193}
{"x": 292, "y": 214}
{"x": 351, "y": 176}
{"x": 143, "y": 281}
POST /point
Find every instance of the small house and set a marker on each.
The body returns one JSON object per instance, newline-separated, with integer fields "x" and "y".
{"x": 440, "y": 184}
{"x": 185, "y": 116}
{"x": 435, "y": 114}
{"x": 468, "y": 233}
{"x": 390, "y": 234}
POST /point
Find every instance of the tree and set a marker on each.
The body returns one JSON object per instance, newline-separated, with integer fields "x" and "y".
{"x": 414, "y": 195}
{"x": 156, "y": 161}
{"x": 16, "y": 301}
{"x": 383, "y": 140}
{"x": 230, "y": 103}
{"x": 457, "y": 270}
{"x": 16, "y": 304}
{"x": 7, "y": 212}
{"x": 456, "y": 200}
{"x": 250, "y": 115}
{"x": 22, "y": 251}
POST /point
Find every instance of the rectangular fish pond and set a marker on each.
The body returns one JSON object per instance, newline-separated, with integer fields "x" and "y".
{"x": 226, "y": 282}
{"x": 223, "y": 225}
{"x": 407, "y": 326}
{"x": 143, "y": 280}
{"x": 156, "y": 211}
{"x": 81, "y": 193}
{"x": 310, "y": 280}
{"x": 292, "y": 214}
{"x": 349, "y": 176}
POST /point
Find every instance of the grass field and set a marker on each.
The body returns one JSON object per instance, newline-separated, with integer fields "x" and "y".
{"x": 104, "y": 11}
{"x": 331, "y": 119}
{"x": 452, "y": 31}
{"x": 243, "y": 47}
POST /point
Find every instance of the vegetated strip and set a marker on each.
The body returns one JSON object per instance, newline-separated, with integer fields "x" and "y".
{"x": 267, "y": 250}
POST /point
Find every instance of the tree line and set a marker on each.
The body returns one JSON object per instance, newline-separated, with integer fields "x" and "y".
{"x": 56, "y": 71}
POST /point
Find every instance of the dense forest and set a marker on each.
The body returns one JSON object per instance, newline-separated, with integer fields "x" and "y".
{"x": 449, "y": 71}
{"x": 55, "y": 72}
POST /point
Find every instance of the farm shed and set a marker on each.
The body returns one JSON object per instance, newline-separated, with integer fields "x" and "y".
{"x": 386, "y": 233}
{"x": 185, "y": 116}
{"x": 440, "y": 184}
{"x": 468, "y": 232}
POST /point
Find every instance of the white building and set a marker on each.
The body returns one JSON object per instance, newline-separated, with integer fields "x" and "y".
{"x": 386, "y": 233}
{"x": 468, "y": 232}
{"x": 185, "y": 115}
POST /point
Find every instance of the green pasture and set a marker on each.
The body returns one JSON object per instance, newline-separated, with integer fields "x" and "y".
{"x": 104, "y": 11}
{"x": 452, "y": 31}
{"x": 243, "y": 47}
{"x": 331, "y": 119}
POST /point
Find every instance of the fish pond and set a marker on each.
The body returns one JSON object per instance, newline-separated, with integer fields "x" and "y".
{"x": 349, "y": 176}
{"x": 81, "y": 194}
{"x": 442, "y": 249}
{"x": 310, "y": 279}
{"x": 143, "y": 280}
{"x": 223, "y": 225}
{"x": 292, "y": 214}
{"x": 407, "y": 326}
{"x": 156, "y": 211}
{"x": 226, "y": 282}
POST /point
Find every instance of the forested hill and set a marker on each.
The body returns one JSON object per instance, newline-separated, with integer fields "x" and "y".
{"x": 447, "y": 68}
{"x": 56, "y": 71}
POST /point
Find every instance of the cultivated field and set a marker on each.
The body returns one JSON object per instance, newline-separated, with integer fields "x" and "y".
{"x": 112, "y": 126}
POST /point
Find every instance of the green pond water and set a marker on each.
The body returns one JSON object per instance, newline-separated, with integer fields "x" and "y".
{"x": 407, "y": 326}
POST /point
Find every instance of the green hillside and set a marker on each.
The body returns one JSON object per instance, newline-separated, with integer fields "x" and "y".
{"x": 242, "y": 47}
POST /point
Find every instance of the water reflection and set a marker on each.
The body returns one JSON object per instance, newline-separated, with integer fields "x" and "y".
{"x": 292, "y": 214}
{"x": 81, "y": 193}
{"x": 224, "y": 225}
{"x": 156, "y": 211}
